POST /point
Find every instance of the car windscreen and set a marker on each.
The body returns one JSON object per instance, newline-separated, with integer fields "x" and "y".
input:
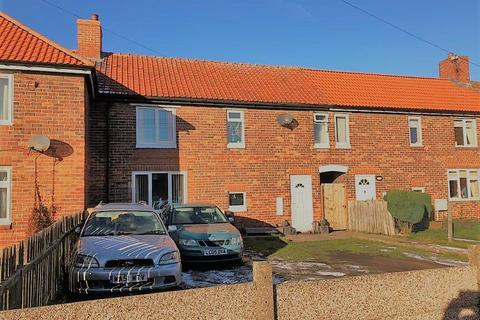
{"x": 106, "y": 223}
{"x": 198, "y": 215}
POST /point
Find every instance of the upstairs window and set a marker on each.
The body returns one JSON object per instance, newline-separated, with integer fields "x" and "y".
{"x": 156, "y": 128}
{"x": 320, "y": 130}
{"x": 465, "y": 132}
{"x": 5, "y": 191}
{"x": 235, "y": 129}
{"x": 6, "y": 99}
{"x": 463, "y": 184}
{"x": 415, "y": 131}
{"x": 342, "y": 131}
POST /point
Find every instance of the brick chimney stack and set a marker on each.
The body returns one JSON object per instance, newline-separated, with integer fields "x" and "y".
{"x": 89, "y": 38}
{"x": 455, "y": 68}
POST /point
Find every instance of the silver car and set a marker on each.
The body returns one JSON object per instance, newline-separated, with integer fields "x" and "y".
{"x": 124, "y": 248}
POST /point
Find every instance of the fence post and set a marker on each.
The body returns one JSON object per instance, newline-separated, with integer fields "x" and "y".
{"x": 474, "y": 257}
{"x": 263, "y": 288}
{"x": 450, "y": 222}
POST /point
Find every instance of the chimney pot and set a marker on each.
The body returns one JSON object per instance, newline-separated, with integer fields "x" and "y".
{"x": 94, "y": 17}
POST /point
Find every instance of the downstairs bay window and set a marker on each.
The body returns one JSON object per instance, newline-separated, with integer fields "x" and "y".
{"x": 463, "y": 184}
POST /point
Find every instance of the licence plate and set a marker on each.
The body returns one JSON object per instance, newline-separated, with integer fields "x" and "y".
{"x": 129, "y": 278}
{"x": 214, "y": 252}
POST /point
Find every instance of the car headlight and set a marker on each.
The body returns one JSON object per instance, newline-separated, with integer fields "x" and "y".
{"x": 169, "y": 258}
{"x": 188, "y": 242}
{"x": 236, "y": 240}
{"x": 83, "y": 261}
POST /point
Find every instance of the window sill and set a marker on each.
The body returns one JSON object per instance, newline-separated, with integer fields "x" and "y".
{"x": 464, "y": 200}
{"x": 418, "y": 146}
{"x": 236, "y": 146}
{"x": 321, "y": 146}
{"x": 343, "y": 146}
{"x": 6, "y": 123}
{"x": 237, "y": 209}
{"x": 156, "y": 146}
{"x": 467, "y": 147}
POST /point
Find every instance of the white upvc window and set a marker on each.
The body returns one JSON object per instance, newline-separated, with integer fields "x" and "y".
{"x": 320, "y": 130}
{"x": 5, "y": 195}
{"x": 415, "y": 131}
{"x": 465, "y": 132}
{"x": 155, "y": 187}
{"x": 464, "y": 184}
{"x": 6, "y": 99}
{"x": 237, "y": 201}
{"x": 156, "y": 127}
{"x": 342, "y": 131}
{"x": 235, "y": 129}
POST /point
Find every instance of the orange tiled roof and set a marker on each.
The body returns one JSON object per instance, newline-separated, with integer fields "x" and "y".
{"x": 19, "y": 43}
{"x": 195, "y": 79}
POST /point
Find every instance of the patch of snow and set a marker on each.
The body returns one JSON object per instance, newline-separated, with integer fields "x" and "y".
{"x": 331, "y": 273}
{"x": 442, "y": 261}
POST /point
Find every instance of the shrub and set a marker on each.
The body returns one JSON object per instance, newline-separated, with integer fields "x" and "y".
{"x": 408, "y": 207}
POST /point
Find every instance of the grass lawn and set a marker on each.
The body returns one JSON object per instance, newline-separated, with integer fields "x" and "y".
{"x": 462, "y": 230}
{"x": 325, "y": 250}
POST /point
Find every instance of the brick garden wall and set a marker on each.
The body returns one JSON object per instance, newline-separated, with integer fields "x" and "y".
{"x": 380, "y": 146}
{"x": 53, "y": 105}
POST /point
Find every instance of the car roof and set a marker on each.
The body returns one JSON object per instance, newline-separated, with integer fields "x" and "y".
{"x": 193, "y": 204}
{"x": 123, "y": 207}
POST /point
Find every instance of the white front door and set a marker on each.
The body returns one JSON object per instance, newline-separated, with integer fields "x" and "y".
{"x": 302, "y": 203}
{"x": 365, "y": 187}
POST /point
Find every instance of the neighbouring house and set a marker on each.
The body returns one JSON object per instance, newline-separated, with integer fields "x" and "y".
{"x": 45, "y": 89}
{"x": 270, "y": 143}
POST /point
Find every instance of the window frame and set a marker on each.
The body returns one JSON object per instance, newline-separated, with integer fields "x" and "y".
{"x": 8, "y": 185}
{"x": 172, "y": 144}
{"x": 464, "y": 129}
{"x": 418, "y": 189}
{"x": 170, "y": 174}
{"x": 319, "y": 145}
{"x": 342, "y": 145}
{"x": 459, "y": 198}
{"x": 238, "y": 208}
{"x": 236, "y": 145}
{"x": 419, "y": 142}
{"x": 9, "y": 120}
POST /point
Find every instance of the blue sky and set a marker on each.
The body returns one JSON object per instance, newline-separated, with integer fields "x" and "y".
{"x": 324, "y": 34}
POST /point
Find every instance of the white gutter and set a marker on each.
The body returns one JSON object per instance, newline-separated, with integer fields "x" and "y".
{"x": 52, "y": 70}
{"x": 43, "y": 69}
{"x": 412, "y": 111}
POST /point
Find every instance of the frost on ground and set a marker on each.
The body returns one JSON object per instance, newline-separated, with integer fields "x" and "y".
{"x": 282, "y": 271}
{"x": 442, "y": 261}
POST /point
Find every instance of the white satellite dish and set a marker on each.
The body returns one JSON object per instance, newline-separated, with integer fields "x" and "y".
{"x": 39, "y": 143}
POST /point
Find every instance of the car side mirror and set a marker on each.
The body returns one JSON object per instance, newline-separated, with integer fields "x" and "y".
{"x": 230, "y": 216}
{"x": 77, "y": 230}
{"x": 172, "y": 228}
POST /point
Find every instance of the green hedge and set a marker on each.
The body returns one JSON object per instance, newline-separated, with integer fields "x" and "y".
{"x": 408, "y": 206}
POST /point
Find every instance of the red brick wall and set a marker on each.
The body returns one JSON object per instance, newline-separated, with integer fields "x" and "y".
{"x": 56, "y": 108}
{"x": 89, "y": 38}
{"x": 380, "y": 146}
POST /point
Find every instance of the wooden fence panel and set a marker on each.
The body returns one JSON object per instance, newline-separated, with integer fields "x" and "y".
{"x": 32, "y": 272}
{"x": 370, "y": 217}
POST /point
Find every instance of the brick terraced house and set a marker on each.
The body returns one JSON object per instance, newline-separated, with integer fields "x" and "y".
{"x": 270, "y": 143}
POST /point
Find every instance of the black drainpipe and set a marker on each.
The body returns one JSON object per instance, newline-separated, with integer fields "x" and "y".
{"x": 107, "y": 167}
